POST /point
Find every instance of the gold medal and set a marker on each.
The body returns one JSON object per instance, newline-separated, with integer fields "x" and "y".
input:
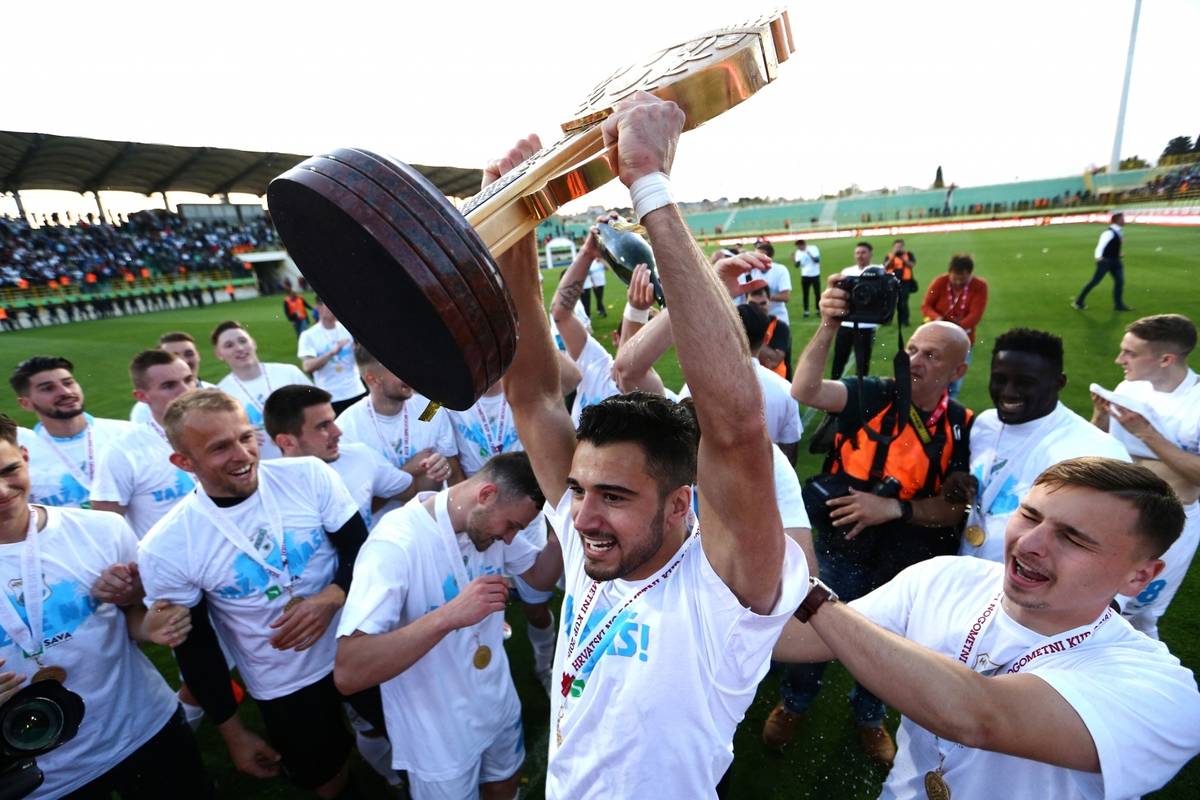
{"x": 292, "y": 602}
{"x": 936, "y": 787}
{"x": 975, "y": 535}
{"x": 49, "y": 674}
{"x": 483, "y": 656}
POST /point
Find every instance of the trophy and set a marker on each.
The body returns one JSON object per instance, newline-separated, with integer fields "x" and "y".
{"x": 413, "y": 278}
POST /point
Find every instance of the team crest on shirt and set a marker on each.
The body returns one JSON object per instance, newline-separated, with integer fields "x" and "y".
{"x": 66, "y": 605}
{"x": 984, "y": 665}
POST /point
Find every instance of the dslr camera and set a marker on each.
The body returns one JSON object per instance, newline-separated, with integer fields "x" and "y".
{"x": 828, "y": 485}
{"x": 873, "y": 296}
{"x": 33, "y": 722}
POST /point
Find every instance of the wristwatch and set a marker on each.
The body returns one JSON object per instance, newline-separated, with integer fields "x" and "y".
{"x": 906, "y": 510}
{"x": 818, "y": 595}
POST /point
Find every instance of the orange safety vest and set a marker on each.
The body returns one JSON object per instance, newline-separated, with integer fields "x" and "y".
{"x": 907, "y": 458}
{"x": 295, "y": 307}
{"x": 3, "y": 313}
{"x": 779, "y": 369}
{"x": 900, "y": 267}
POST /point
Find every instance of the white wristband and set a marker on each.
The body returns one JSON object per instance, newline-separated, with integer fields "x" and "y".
{"x": 641, "y": 315}
{"x": 650, "y": 192}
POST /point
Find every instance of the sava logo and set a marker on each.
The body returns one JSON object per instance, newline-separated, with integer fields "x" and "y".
{"x": 56, "y": 639}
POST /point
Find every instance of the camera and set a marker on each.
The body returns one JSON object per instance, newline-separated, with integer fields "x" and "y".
{"x": 33, "y": 722}
{"x": 828, "y": 485}
{"x": 873, "y": 296}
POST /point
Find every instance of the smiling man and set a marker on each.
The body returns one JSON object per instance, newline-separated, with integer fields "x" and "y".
{"x": 1023, "y": 673}
{"x": 1028, "y": 431}
{"x": 267, "y": 549}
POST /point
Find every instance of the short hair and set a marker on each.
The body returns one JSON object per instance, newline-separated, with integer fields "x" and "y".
{"x": 1160, "y": 514}
{"x": 227, "y": 325}
{"x": 962, "y": 262}
{"x": 666, "y": 431}
{"x": 146, "y": 359}
{"x": 8, "y": 430}
{"x": 363, "y": 357}
{"x": 754, "y": 323}
{"x": 171, "y": 337}
{"x": 866, "y": 245}
{"x": 284, "y": 410}
{"x": 766, "y": 247}
{"x": 799, "y": 242}
{"x": 1034, "y": 342}
{"x": 205, "y": 400}
{"x": 1117, "y": 215}
{"x": 23, "y": 372}
{"x": 513, "y": 475}
{"x": 1166, "y": 333}
{"x": 897, "y": 241}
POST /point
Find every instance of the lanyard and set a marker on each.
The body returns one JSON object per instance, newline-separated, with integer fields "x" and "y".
{"x": 495, "y": 445}
{"x": 266, "y": 377}
{"x": 449, "y": 538}
{"x": 84, "y": 478}
{"x": 393, "y": 448}
{"x": 241, "y": 540}
{"x": 923, "y": 427}
{"x": 990, "y": 485}
{"x": 28, "y": 638}
{"x": 159, "y": 430}
{"x": 953, "y": 311}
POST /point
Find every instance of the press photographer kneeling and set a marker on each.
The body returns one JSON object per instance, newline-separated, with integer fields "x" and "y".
{"x": 894, "y": 487}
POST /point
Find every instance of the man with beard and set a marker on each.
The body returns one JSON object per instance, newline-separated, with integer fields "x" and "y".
{"x": 67, "y": 443}
{"x": 268, "y": 550}
{"x": 1028, "y": 431}
{"x": 665, "y": 632}
{"x": 424, "y": 619}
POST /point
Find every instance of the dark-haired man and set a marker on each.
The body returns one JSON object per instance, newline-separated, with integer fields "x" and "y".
{"x": 776, "y": 350}
{"x": 424, "y": 619}
{"x": 179, "y": 343}
{"x": 779, "y": 282}
{"x": 300, "y": 420}
{"x": 1154, "y": 354}
{"x": 67, "y": 443}
{"x": 1028, "y": 431}
{"x": 808, "y": 260}
{"x": 858, "y": 337}
{"x": 266, "y": 548}
{"x": 1108, "y": 262}
{"x": 960, "y": 297}
{"x": 1021, "y": 675}
{"x": 646, "y": 593}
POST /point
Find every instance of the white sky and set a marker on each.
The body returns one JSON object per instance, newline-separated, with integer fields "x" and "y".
{"x": 878, "y": 93}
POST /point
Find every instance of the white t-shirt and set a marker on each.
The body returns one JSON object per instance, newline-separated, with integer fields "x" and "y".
{"x": 781, "y": 409}
{"x": 400, "y": 436}
{"x": 596, "y": 382}
{"x": 810, "y": 267}
{"x": 1006, "y": 459}
{"x": 186, "y": 556}
{"x": 779, "y": 279}
{"x": 1138, "y": 702}
{"x": 253, "y": 395}
{"x": 678, "y": 669}
{"x": 441, "y": 712}
{"x": 52, "y": 481}
{"x": 127, "y": 701}
{"x": 367, "y": 475}
{"x": 853, "y": 271}
{"x": 340, "y": 375}
{"x": 483, "y": 430}
{"x": 137, "y": 473}
{"x": 787, "y": 492}
{"x": 141, "y": 413}
{"x": 596, "y": 275}
{"x": 1177, "y": 410}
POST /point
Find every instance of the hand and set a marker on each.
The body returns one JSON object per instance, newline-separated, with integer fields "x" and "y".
{"x": 1100, "y": 407}
{"x": 341, "y": 345}
{"x": 301, "y": 626}
{"x": 641, "y": 135}
{"x": 519, "y": 152}
{"x": 862, "y": 510}
{"x": 120, "y": 585}
{"x": 731, "y": 268}
{"x": 167, "y": 624}
{"x": 10, "y": 684}
{"x": 640, "y": 294}
{"x": 249, "y": 753}
{"x": 436, "y": 467}
{"x": 1132, "y": 421}
{"x": 959, "y": 488}
{"x": 485, "y": 595}
{"x": 835, "y": 302}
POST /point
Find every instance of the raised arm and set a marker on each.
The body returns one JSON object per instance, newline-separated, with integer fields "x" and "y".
{"x": 562, "y": 305}
{"x": 808, "y": 384}
{"x": 744, "y": 543}
{"x": 531, "y": 384}
{"x": 633, "y": 367}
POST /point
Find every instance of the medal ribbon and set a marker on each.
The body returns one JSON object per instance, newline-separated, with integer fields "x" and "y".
{"x": 242, "y": 541}
{"x": 85, "y": 479}
{"x": 922, "y": 426}
{"x": 954, "y": 312}
{"x": 495, "y": 446}
{"x": 458, "y": 561}
{"x": 159, "y": 430}
{"x": 28, "y": 638}
{"x": 393, "y": 448}
{"x": 990, "y": 485}
{"x": 246, "y": 392}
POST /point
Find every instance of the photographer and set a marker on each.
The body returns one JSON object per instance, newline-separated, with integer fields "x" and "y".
{"x": 861, "y": 337}
{"x": 892, "y": 498}
{"x": 902, "y": 263}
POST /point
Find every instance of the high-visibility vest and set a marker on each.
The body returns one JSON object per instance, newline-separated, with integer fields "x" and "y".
{"x": 295, "y": 307}
{"x": 899, "y": 266}
{"x": 779, "y": 369}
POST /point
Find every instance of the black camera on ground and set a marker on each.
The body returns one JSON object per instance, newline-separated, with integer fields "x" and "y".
{"x": 819, "y": 489}
{"x": 33, "y": 722}
{"x": 873, "y": 295}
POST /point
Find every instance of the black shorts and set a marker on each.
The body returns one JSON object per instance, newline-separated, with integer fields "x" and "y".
{"x": 308, "y": 729}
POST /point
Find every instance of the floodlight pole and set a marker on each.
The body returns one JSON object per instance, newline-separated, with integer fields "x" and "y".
{"x": 20, "y": 206}
{"x": 1115, "y": 163}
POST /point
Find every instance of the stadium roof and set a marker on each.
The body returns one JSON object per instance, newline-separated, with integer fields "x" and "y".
{"x": 76, "y": 164}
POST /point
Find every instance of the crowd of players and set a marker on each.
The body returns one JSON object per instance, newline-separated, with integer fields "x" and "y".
{"x": 350, "y": 549}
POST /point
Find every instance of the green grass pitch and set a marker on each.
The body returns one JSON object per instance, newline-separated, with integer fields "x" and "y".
{"x": 1032, "y": 274}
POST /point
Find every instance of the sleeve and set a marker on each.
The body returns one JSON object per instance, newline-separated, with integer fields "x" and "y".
{"x": 164, "y": 580}
{"x": 787, "y": 492}
{"x": 559, "y": 517}
{"x": 445, "y": 443}
{"x": 976, "y": 307}
{"x": 377, "y": 593}
{"x": 387, "y": 480}
{"x": 890, "y": 606}
{"x": 296, "y": 375}
{"x": 202, "y": 667}
{"x": 305, "y": 347}
{"x": 928, "y": 310}
{"x": 334, "y": 500}
{"x": 520, "y": 555}
{"x": 347, "y": 541}
{"x": 1144, "y": 718}
{"x": 784, "y": 279}
{"x": 114, "y": 477}
{"x": 1104, "y": 238}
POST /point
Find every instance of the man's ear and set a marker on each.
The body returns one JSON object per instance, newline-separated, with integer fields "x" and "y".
{"x": 1141, "y": 577}
{"x": 181, "y": 461}
{"x": 288, "y": 443}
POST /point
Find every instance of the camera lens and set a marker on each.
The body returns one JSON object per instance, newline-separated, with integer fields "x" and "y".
{"x": 862, "y": 294}
{"x": 32, "y": 725}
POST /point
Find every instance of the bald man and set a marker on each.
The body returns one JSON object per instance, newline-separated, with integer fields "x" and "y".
{"x": 874, "y": 513}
